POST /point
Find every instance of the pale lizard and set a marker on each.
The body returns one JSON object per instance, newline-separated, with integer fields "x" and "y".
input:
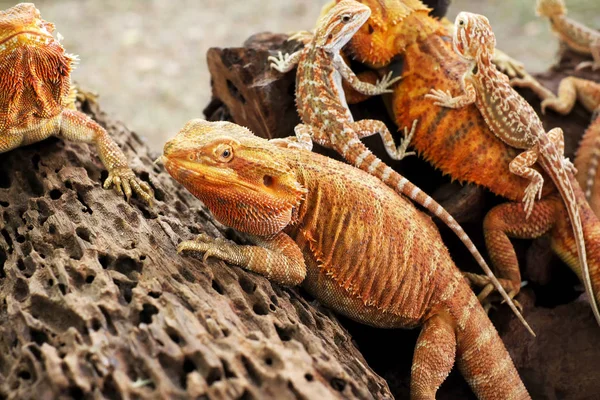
{"x": 576, "y": 36}
{"x": 515, "y": 122}
{"x": 350, "y": 241}
{"x": 36, "y": 98}
{"x": 570, "y": 90}
{"x": 327, "y": 120}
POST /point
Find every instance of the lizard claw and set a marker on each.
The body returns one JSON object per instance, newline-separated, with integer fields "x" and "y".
{"x": 441, "y": 98}
{"x": 384, "y": 83}
{"x": 401, "y": 152}
{"x": 534, "y": 189}
{"x": 125, "y": 180}
{"x": 204, "y": 244}
{"x": 280, "y": 62}
{"x": 508, "y": 65}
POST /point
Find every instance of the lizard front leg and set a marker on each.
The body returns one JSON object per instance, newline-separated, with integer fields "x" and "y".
{"x": 595, "y": 51}
{"x": 279, "y": 258}
{"x": 445, "y": 99}
{"x": 285, "y": 62}
{"x": 368, "y": 127}
{"x": 79, "y": 127}
{"x": 380, "y": 87}
{"x": 508, "y": 65}
{"x": 521, "y": 166}
{"x": 303, "y": 139}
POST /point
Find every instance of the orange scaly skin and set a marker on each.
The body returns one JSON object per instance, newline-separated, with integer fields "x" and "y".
{"x": 515, "y": 122}
{"x": 576, "y": 36}
{"x": 327, "y": 120}
{"x": 570, "y": 90}
{"x": 350, "y": 241}
{"x": 459, "y": 142}
{"x": 36, "y": 98}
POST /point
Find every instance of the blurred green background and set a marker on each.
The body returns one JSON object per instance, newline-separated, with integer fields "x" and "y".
{"x": 146, "y": 58}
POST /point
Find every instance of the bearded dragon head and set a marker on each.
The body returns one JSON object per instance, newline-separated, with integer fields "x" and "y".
{"x": 388, "y": 30}
{"x": 473, "y": 36}
{"x": 551, "y": 8}
{"x": 32, "y": 64}
{"x": 340, "y": 23}
{"x": 243, "y": 179}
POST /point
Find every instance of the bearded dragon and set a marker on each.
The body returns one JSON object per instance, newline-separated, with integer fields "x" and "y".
{"x": 514, "y": 121}
{"x": 349, "y": 240}
{"x": 576, "y": 36}
{"x": 570, "y": 90}
{"x": 458, "y": 142}
{"x": 328, "y": 121}
{"x": 36, "y": 98}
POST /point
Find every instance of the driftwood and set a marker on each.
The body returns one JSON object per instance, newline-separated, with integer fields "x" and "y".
{"x": 96, "y": 303}
{"x": 564, "y": 361}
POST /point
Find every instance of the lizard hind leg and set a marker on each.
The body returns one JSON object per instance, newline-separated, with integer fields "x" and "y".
{"x": 521, "y": 166}
{"x": 433, "y": 358}
{"x": 368, "y": 127}
{"x": 507, "y": 221}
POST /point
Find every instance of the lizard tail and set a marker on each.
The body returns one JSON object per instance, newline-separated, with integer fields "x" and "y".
{"x": 587, "y": 160}
{"x": 480, "y": 353}
{"x": 554, "y": 167}
{"x": 361, "y": 157}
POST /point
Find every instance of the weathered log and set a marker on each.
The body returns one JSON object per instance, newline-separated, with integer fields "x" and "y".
{"x": 550, "y": 365}
{"x": 96, "y": 303}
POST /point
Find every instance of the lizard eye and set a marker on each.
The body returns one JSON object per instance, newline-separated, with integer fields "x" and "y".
{"x": 461, "y": 22}
{"x": 346, "y": 18}
{"x": 224, "y": 153}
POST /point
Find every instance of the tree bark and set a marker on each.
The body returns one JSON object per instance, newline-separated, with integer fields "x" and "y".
{"x": 95, "y": 302}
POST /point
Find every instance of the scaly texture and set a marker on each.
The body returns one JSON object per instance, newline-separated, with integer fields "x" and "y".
{"x": 570, "y": 90}
{"x": 327, "y": 120}
{"x": 578, "y": 37}
{"x": 36, "y": 98}
{"x": 305, "y": 212}
{"x": 96, "y": 303}
{"x": 459, "y": 142}
{"x": 514, "y": 121}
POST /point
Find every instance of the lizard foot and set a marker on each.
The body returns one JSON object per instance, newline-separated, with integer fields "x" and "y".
{"x": 401, "y": 151}
{"x": 204, "y": 244}
{"x": 588, "y": 64}
{"x": 569, "y": 166}
{"x": 553, "y": 103}
{"x": 441, "y": 98}
{"x": 534, "y": 189}
{"x": 303, "y": 37}
{"x": 280, "y": 62}
{"x": 382, "y": 85}
{"x": 508, "y": 65}
{"x": 488, "y": 288}
{"x": 125, "y": 180}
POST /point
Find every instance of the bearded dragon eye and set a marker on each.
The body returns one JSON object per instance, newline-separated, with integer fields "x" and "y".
{"x": 346, "y": 18}
{"x": 461, "y": 22}
{"x": 226, "y": 153}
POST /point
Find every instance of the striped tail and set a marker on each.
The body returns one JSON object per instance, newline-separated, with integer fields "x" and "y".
{"x": 552, "y": 162}
{"x": 481, "y": 356}
{"x": 361, "y": 157}
{"x": 587, "y": 160}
